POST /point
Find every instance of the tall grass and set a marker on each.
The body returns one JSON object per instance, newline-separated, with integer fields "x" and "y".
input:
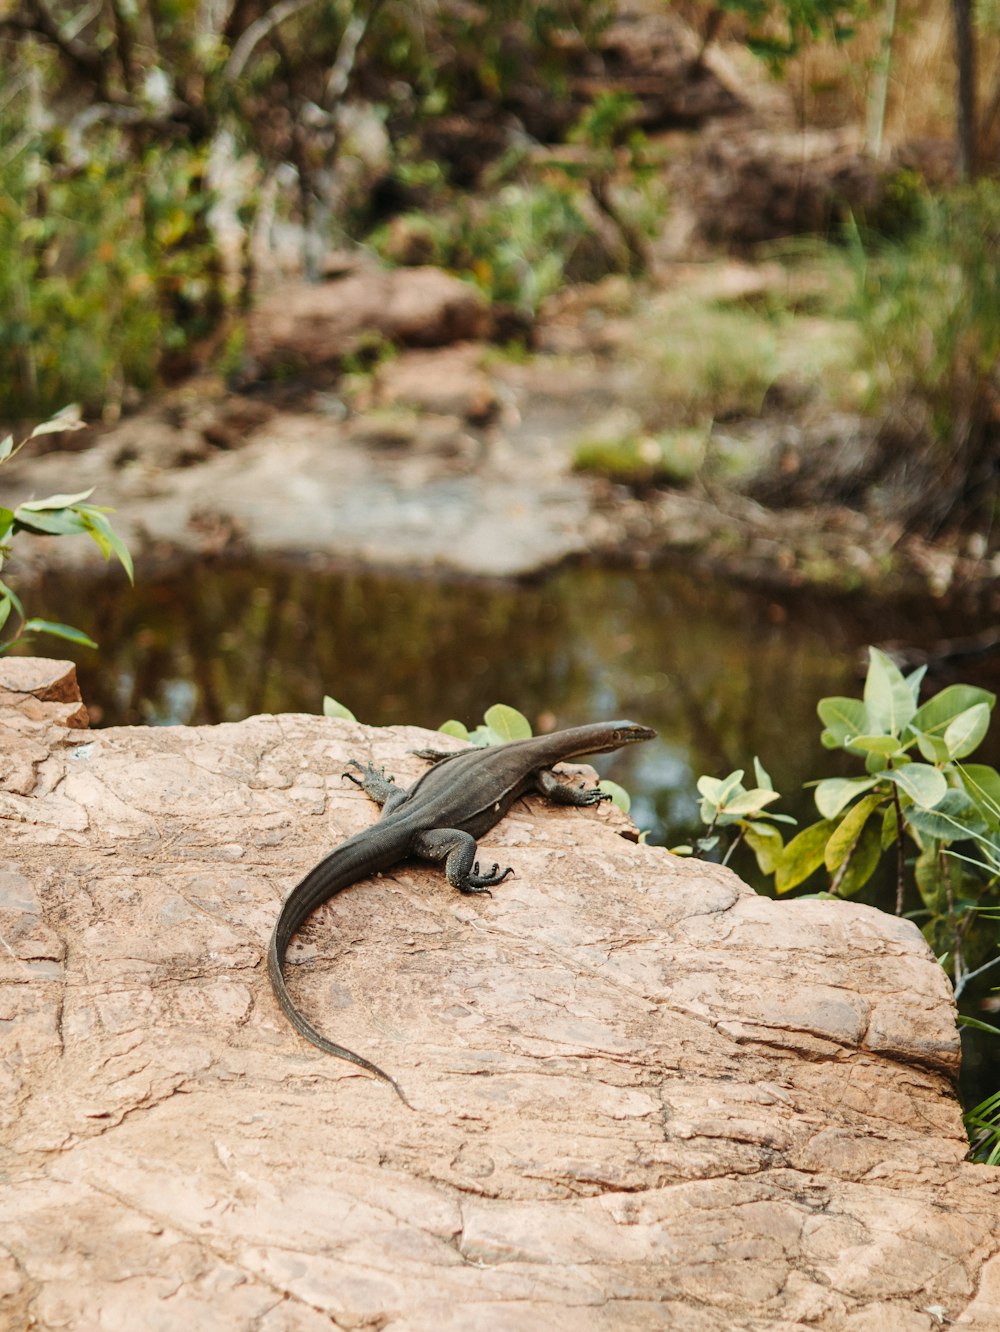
{"x": 929, "y": 312}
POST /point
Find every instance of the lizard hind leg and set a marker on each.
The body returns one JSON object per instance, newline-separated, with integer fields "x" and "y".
{"x": 458, "y": 851}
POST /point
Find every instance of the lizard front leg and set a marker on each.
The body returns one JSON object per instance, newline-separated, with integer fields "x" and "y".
{"x": 561, "y": 794}
{"x": 458, "y": 851}
{"x": 375, "y": 784}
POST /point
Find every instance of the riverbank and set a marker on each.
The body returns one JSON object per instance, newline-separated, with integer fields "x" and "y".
{"x": 423, "y": 446}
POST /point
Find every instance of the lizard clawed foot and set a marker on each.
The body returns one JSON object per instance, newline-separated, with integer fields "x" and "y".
{"x": 482, "y": 883}
{"x": 369, "y": 774}
{"x": 591, "y": 795}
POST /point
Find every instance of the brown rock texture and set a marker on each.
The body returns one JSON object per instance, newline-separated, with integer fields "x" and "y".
{"x": 314, "y": 324}
{"x": 448, "y": 382}
{"x": 645, "y": 1097}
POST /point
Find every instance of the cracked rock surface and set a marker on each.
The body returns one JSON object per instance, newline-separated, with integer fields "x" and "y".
{"x": 645, "y": 1097}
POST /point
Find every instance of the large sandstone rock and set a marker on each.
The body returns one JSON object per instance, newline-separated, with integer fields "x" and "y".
{"x": 645, "y": 1098}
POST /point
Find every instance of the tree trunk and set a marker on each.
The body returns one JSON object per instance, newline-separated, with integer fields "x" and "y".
{"x": 965, "y": 60}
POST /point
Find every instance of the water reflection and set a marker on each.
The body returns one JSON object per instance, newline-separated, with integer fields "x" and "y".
{"x": 723, "y": 673}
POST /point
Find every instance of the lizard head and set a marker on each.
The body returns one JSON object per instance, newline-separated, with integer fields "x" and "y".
{"x": 605, "y": 736}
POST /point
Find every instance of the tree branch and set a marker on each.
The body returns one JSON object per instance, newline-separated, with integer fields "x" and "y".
{"x": 257, "y": 31}
{"x": 347, "y": 54}
{"x": 35, "y": 20}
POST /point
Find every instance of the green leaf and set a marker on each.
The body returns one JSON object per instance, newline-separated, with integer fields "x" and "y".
{"x": 456, "y": 728}
{"x": 887, "y": 746}
{"x": 67, "y": 418}
{"x": 876, "y": 763}
{"x": 923, "y": 784}
{"x": 54, "y": 522}
{"x": 12, "y": 596}
{"x": 711, "y": 788}
{"x": 59, "y": 631}
{"x": 619, "y": 796}
{"x": 6, "y": 523}
{"x": 55, "y": 502}
{"x": 914, "y": 680}
{"x": 844, "y": 840}
{"x": 766, "y": 844}
{"x": 955, "y": 817}
{"x": 717, "y": 790}
{"x": 888, "y": 698}
{"x": 5, "y": 608}
{"x": 750, "y": 802}
{"x": 890, "y": 826}
{"x": 932, "y": 747}
{"x": 507, "y": 723}
{"x": 834, "y": 793}
{"x": 107, "y": 539}
{"x": 983, "y": 783}
{"x": 843, "y": 718}
{"x": 6, "y": 447}
{"x": 802, "y": 856}
{"x": 930, "y": 880}
{"x": 331, "y": 708}
{"x": 938, "y": 712}
{"x": 977, "y": 1025}
{"x": 863, "y": 862}
{"x": 967, "y": 731}
{"x": 761, "y": 774}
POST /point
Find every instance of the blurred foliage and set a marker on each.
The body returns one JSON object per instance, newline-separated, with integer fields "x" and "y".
{"x": 713, "y": 359}
{"x": 778, "y": 31}
{"x": 102, "y": 274}
{"x": 116, "y": 123}
{"x": 539, "y": 218}
{"x": 929, "y": 311}
{"x": 518, "y": 244}
{"x": 673, "y": 457}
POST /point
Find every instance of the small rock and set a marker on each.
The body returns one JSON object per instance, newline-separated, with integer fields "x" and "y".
{"x": 448, "y": 382}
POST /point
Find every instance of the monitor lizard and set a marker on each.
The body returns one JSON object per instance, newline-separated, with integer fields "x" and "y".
{"x": 464, "y": 795}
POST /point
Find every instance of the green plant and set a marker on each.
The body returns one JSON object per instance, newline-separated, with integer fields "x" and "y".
{"x": 982, "y": 1123}
{"x": 915, "y": 790}
{"x": 727, "y": 803}
{"x": 917, "y": 798}
{"x": 57, "y": 515}
{"x": 673, "y": 457}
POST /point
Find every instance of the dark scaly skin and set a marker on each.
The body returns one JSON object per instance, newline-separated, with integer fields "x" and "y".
{"x": 458, "y": 800}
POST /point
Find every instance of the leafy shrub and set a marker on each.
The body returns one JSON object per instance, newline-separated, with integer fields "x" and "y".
{"x": 917, "y": 791}
{"x": 56, "y": 515}
{"x": 103, "y": 272}
{"x": 518, "y": 245}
